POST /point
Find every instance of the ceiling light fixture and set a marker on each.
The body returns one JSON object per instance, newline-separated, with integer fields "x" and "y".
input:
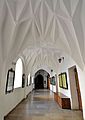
{"x": 61, "y": 59}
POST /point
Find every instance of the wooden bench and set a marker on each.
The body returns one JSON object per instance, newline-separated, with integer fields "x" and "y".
{"x": 62, "y": 100}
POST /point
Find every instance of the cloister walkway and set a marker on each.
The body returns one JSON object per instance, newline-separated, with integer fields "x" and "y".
{"x": 40, "y": 105}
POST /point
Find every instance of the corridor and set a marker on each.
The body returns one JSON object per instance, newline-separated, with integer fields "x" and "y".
{"x": 40, "y": 105}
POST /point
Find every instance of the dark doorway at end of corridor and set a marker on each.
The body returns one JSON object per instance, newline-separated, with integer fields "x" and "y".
{"x": 41, "y": 79}
{"x": 39, "y": 82}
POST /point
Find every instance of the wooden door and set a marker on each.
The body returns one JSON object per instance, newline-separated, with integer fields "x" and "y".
{"x": 78, "y": 89}
{"x": 48, "y": 83}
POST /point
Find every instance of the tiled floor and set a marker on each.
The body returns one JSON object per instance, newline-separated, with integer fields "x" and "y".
{"x": 40, "y": 106}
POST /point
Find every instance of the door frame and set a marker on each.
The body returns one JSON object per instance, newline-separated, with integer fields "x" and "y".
{"x": 76, "y": 101}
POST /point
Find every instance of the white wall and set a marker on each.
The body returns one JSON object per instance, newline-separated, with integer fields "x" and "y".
{"x": 63, "y": 67}
{"x": 53, "y": 88}
{"x": 28, "y": 89}
{"x": 67, "y": 63}
{"x": 10, "y": 100}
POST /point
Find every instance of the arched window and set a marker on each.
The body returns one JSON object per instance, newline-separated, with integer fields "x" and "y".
{"x": 32, "y": 80}
{"x": 18, "y": 74}
{"x": 29, "y": 79}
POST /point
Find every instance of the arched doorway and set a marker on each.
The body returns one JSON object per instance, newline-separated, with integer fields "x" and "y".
{"x": 39, "y": 82}
{"x": 41, "y": 79}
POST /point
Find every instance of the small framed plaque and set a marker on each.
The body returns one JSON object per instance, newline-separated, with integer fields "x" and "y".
{"x": 10, "y": 81}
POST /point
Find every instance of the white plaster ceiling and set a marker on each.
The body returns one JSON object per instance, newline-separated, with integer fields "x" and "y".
{"x": 42, "y": 30}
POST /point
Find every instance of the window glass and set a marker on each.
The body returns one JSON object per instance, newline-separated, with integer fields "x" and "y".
{"x": 18, "y": 74}
{"x": 29, "y": 79}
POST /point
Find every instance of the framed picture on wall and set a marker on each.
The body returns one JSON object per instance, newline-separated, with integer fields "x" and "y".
{"x": 10, "y": 80}
{"x": 53, "y": 82}
{"x": 63, "y": 80}
{"x": 60, "y": 81}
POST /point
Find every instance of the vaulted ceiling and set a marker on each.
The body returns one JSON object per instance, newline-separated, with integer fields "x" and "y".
{"x": 42, "y": 30}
